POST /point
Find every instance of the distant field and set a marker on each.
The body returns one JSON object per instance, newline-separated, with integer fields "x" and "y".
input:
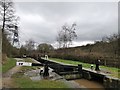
{"x": 114, "y": 71}
{"x": 8, "y": 65}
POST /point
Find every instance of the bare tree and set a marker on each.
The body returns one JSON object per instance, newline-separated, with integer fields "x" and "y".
{"x": 111, "y": 38}
{"x": 8, "y": 23}
{"x": 66, "y": 35}
{"x": 8, "y": 19}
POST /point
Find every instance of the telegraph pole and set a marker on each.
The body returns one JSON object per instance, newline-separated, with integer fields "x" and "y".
{"x": 14, "y": 30}
{"x": 16, "y": 36}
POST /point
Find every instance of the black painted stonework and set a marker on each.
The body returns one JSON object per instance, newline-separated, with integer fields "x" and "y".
{"x": 70, "y": 70}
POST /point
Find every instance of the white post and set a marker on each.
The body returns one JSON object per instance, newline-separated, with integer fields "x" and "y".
{"x": 46, "y": 57}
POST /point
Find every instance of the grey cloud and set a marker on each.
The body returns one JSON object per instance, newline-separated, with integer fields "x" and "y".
{"x": 94, "y": 19}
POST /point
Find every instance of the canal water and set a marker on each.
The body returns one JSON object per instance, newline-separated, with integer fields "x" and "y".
{"x": 89, "y": 84}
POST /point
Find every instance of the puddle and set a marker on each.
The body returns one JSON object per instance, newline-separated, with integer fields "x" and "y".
{"x": 32, "y": 73}
{"x": 89, "y": 84}
{"x": 35, "y": 75}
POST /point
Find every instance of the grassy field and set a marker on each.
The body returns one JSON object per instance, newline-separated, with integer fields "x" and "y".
{"x": 8, "y": 65}
{"x": 25, "y": 82}
{"x": 86, "y": 65}
{"x": 22, "y": 81}
{"x": 114, "y": 71}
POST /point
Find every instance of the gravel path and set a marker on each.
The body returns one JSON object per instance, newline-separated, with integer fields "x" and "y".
{"x": 12, "y": 71}
{"x": 7, "y": 81}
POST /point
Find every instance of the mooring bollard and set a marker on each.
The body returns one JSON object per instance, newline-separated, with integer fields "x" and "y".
{"x": 91, "y": 66}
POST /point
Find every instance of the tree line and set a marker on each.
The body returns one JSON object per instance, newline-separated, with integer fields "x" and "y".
{"x": 29, "y": 49}
{"x": 107, "y": 50}
{"x": 8, "y": 24}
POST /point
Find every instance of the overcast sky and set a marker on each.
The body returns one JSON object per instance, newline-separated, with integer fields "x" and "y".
{"x": 41, "y": 21}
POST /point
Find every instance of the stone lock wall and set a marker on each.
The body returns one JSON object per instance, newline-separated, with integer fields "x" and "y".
{"x": 110, "y": 82}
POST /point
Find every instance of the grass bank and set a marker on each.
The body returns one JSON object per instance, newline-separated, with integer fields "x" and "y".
{"x": 114, "y": 71}
{"x": 8, "y": 64}
{"x": 26, "y": 82}
{"x": 23, "y": 81}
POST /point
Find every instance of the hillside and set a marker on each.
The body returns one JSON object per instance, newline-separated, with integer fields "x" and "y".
{"x": 106, "y": 51}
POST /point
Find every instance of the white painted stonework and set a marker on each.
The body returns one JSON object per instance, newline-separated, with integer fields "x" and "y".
{"x": 23, "y": 64}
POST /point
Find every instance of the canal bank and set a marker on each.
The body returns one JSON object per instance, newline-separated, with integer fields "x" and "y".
{"x": 69, "y": 71}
